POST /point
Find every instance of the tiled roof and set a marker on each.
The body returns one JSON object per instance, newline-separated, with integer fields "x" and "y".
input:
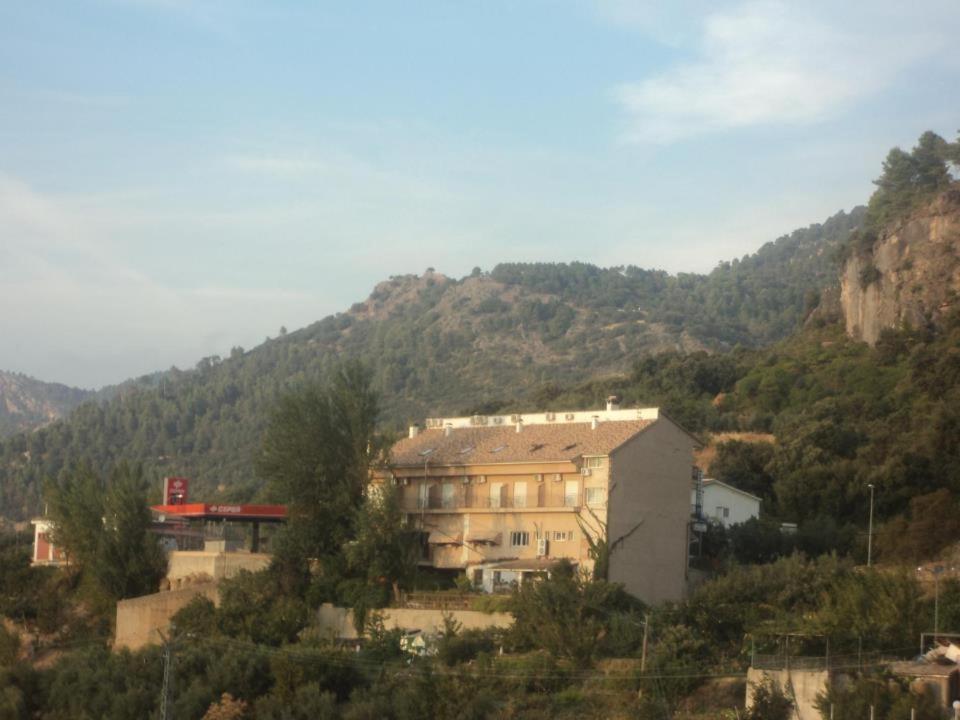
{"x": 503, "y": 444}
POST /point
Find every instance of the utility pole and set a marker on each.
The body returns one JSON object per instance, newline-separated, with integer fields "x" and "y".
{"x": 870, "y": 530}
{"x": 643, "y": 652}
{"x": 646, "y": 633}
{"x": 166, "y": 694}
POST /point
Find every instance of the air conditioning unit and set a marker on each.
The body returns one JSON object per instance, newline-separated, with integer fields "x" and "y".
{"x": 541, "y": 547}
{"x": 405, "y": 481}
{"x": 539, "y": 477}
{"x": 551, "y": 417}
{"x": 586, "y": 471}
{"x": 482, "y": 479}
{"x": 497, "y": 420}
{"x": 465, "y": 480}
{"x": 557, "y": 477}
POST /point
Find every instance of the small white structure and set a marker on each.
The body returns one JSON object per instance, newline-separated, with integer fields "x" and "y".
{"x": 726, "y": 504}
{"x": 44, "y": 551}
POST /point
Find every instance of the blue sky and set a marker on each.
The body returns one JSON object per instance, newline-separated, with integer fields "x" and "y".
{"x": 180, "y": 177}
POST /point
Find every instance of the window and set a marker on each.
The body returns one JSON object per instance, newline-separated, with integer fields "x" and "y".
{"x": 571, "y": 493}
{"x": 447, "y": 495}
{"x": 593, "y": 462}
{"x": 562, "y": 535}
{"x": 722, "y": 512}
{"x": 496, "y": 494}
{"x": 520, "y": 494}
{"x": 595, "y": 496}
{"x": 423, "y": 495}
{"x": 519, "y": 538}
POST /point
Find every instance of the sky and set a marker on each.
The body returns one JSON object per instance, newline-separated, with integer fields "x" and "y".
{"x": 178, "y": 177}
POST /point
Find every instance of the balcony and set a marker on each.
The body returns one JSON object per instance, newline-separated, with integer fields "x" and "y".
{"x": 506, "y": 504}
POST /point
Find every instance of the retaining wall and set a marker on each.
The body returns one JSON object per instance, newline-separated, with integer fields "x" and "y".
{"x": 339, "y": 621}
{"x": 140, "y": 620}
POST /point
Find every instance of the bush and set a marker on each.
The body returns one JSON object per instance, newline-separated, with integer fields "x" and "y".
{"x": 455, "y": 645}
{"x": 770, "y": 703}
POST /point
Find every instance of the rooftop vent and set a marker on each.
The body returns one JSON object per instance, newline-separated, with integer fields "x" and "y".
{"x": 613, "y": 403}
{"x": 595, "y": 423}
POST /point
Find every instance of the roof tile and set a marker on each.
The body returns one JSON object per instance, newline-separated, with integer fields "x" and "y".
{"x": 503, "y": 444}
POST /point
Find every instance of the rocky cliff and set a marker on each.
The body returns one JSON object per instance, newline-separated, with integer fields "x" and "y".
{"x": 909, "y": 275}
{"x": 26, "y": 404}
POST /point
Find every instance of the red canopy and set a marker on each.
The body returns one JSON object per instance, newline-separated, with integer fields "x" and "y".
{"x": 206, "y": 511}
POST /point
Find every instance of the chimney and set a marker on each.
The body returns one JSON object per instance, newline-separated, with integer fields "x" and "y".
{"x": 414, "y": 431}
{"x": 519, "y": 425}
{"x": 447, "y": 429}
{"x": 613, "y": 403}
{"x": 595, "y": 423}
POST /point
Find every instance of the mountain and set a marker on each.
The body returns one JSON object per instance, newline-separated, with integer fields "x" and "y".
{"x": 908, "y": 275}
{"x": 435, "y": 345}
{"x": 26, "y": 404}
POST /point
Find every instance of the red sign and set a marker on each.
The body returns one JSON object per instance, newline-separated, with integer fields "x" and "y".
{"x": 175, "y": 490}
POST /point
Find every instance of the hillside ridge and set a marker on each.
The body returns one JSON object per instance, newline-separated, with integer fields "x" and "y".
{"x": 435, "y": 346}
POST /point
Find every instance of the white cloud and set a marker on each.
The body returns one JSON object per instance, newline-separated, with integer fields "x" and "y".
{"x": 75, "y": 313}
{"x": 762, "y": 63}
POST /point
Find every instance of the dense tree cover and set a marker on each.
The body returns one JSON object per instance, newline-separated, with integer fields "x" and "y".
{"x": 880, "y": 696}
{"x": 570, "y": 616}
{"x": 552, "y": 663}
{"x": 435, "y": 346}
{"x": 907, "y": 181}
{"x": 103, "y": 527}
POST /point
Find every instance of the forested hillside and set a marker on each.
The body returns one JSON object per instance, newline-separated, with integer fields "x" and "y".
{"x": 26, "y": 403}
{"x": 436, "y": 345}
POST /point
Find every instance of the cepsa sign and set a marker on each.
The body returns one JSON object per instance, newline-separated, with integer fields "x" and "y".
{"x": 175, "y": 490}
{"x": 226, "y": 509}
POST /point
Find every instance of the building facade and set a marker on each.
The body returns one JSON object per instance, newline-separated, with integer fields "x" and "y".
{"x": 44, "y": 551}
{"x": 503, "y": 497}
{"x": 726, "y": 504}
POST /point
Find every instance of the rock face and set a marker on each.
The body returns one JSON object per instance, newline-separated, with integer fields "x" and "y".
{"x": 26, "y": 404}
{"x": 910, "y": 276}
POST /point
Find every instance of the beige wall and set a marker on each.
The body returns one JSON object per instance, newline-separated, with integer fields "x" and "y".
{"x": 463, "y": 526}
{"x": 651, "y": 474}
{"x": 188, "y": 564}
{"x": 650, "y": 512}
{"x": 140, "y": 620}
{"x": 801, "y": 686}
{"x": 339, "y": 621}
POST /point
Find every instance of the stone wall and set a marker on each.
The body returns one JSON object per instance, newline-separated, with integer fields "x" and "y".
{"x": 338, "y": 621}
{"x": 188, "y": 565}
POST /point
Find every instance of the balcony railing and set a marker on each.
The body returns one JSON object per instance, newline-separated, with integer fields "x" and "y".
{"x": 488, "y": 503}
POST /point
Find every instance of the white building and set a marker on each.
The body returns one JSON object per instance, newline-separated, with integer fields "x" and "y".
{"x": 726, "y": 504}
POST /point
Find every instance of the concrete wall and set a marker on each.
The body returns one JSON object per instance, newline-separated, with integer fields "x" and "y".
{"x": 140, "y": 620}
{"x": 801, "y": 686}
{"x": 650, "y": 511}
{"x": 339, "y": 621}
{"x": 184, "y": 564}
